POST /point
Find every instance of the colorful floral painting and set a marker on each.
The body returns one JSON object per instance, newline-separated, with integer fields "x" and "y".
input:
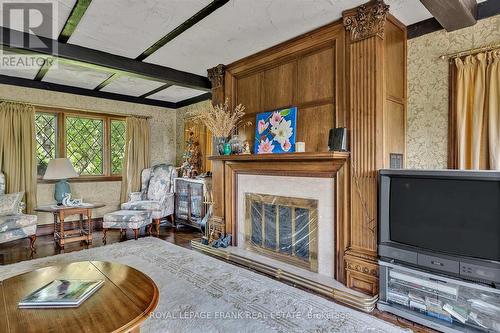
{"x": 275, "y": 131}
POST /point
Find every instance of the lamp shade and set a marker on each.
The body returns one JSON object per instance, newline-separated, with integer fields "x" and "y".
{"x": 60, "y": 168}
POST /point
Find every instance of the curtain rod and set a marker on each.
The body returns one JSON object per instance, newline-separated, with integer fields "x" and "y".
{"x": 76, "y": 109}
{"x": 471, "y": 51}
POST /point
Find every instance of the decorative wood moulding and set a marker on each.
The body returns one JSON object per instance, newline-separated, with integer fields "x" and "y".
{"x": 216, "y": 76}
{"x": 361, "y": 274}
{"x": 366, "y": 21}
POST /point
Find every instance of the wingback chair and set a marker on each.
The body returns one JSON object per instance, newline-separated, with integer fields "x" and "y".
{"x": 14, "y": 224}
{"x": 157, "y": 193}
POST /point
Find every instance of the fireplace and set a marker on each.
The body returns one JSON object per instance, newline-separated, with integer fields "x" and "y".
{"x": 283, "y": 228}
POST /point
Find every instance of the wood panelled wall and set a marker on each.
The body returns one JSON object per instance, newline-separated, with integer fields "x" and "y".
{"x": 350, "y": 73}
{"x": 304, "y": 73}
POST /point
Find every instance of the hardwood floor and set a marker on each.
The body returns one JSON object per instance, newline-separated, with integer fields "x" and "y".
{"x": 18, "y": 250}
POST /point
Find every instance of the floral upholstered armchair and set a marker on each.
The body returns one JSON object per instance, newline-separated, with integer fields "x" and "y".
{"x": 13, "y": 223}
{"x": 157, "y": 193}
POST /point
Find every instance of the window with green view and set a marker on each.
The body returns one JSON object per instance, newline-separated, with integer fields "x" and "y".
{"x": 95, "y": 145}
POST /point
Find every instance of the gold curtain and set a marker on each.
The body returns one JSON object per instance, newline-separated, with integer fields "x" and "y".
{"x": 136, "y": 155}
{"x": 18, "y": 150}
{"x": 204, "y": 137}
{"x": 477, "y": 111}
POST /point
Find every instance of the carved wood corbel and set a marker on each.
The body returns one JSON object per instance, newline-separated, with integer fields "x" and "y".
{"x": 366, "y": 21}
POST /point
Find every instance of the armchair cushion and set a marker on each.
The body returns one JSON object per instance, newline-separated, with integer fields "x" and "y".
{"x": 160, "y": 182}
{"x": 13, "y": 234}
{"x": 10, "y": 203}
{"x": 149, "y": 205}
{"x": 135, "y": 196}
{"x": 11, "y": 222}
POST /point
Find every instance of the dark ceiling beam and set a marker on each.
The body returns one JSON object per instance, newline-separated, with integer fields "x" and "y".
{"x": 452, "y": 14}
{"x": 82, "y": 56}
{"x": 43, "y": 69}
{"x": 17, "y": 81}
{"x": 193, "y": 100}
{"x": 484, "y": 10}
{"x": 74, "y": 18}
{"x": 104, "y": 83}
{"x": 154, "y": 91}
{"x": 207, "y": 10}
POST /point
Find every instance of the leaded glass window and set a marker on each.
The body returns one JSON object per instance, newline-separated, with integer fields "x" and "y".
{"x": 85, "y": 144}
{"x": 117, "y": 145}
{"x": 45, "y": 126}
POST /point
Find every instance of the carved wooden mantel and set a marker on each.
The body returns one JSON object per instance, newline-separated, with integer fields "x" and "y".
{"x": 322, "y": 164}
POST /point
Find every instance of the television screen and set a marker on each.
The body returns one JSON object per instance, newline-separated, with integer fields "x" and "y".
{"x": 454, "y": 216}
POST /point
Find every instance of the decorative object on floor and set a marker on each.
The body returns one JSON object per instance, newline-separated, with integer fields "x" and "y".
{"x": 222, "y": 242}
{"x": 275, "y": 131}
{"x": 13, "y": 223}
{"x": 220, "y": 121}
{"x": 81, "y": 232}
{"x": 194, "y": 282}
{"x": 300, "y": 147}
{"x": 157, "y": 194}
{"x": 337, "y": 139}
{"x": 192, "y": 158}
{"x": 192, "y": 198}
{"x": 61, "y": 169}
{"x": 126, "y": 219}
{"x": 246, "y": 148}
{"x": 61, "y": 294}
{"x": 122, "y": 304}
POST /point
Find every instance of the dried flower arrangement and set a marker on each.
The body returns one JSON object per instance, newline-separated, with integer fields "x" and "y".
{"x": 219, "y": 119}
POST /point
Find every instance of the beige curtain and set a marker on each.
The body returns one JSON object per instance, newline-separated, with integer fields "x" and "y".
{"x": 477, "y": 111}
{"x": 18, "y": 150}
{"x": 136, "y": 155}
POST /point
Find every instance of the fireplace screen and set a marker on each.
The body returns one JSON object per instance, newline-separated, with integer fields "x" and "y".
{"x": 283, "y": 228}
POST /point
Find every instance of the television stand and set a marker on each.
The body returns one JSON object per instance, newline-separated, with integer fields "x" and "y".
{"x": 443, "y": 303}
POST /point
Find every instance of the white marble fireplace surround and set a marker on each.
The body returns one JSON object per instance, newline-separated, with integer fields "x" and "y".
{"x": 321, "y": 189}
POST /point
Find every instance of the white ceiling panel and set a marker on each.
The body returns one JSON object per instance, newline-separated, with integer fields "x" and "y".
{"x": 76, "y": 76}
{"x": 132, "y": 86}
{"x": 242, "y": 27}
{"x": 176, "y": 94}
{"x": 129, "y": 27}
{"x": 20, "y": 65}
{"x": 408, "y": 11}
{"x": 60, "y": 13}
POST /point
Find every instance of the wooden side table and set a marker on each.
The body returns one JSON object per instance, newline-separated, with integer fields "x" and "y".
{"x": 122, "y": 304}
{"x": 82, "y": 232}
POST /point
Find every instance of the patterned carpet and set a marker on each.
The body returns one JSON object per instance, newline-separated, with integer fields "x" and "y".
{"x": 202, "y": 294}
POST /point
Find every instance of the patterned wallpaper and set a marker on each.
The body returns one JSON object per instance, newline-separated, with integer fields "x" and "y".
{"x": 163, "y": 138}
{"x": 427, "y": 127}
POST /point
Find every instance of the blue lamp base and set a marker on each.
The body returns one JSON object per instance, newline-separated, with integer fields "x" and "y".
{"x": 60, "y": 189}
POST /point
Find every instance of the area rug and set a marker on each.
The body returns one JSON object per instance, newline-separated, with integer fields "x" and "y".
{"x": 203, "y": 294}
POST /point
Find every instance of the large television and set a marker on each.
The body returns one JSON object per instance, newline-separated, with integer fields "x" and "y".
{"x": 446, "y": 221}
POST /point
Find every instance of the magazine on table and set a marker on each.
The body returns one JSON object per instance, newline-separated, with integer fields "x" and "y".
{"x": 61, "y": 294}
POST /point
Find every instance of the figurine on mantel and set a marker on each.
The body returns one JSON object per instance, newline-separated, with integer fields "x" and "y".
{"x": 246, "y": 148}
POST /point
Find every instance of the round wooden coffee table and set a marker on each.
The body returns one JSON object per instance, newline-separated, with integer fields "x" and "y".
{"x": 124, "y": 301}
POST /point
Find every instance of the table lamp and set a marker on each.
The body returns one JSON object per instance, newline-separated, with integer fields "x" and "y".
{"x": 61, "y": 169}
